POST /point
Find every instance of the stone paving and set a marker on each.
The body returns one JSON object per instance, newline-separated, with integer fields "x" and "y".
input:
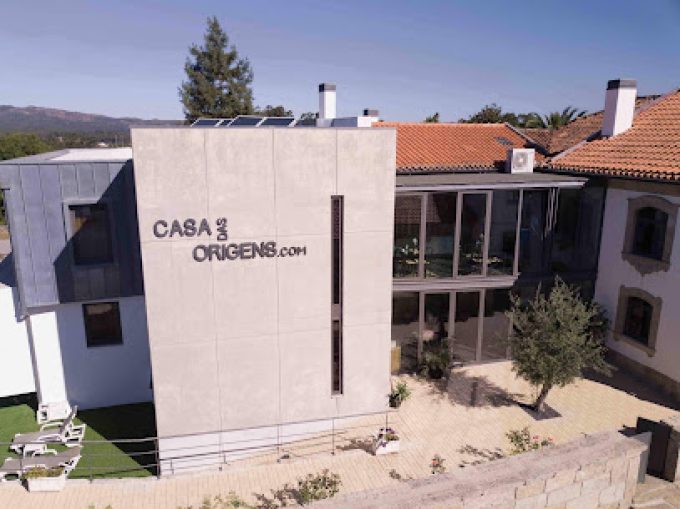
{"x": 464, "y": 421}
{"x": 657, "y": 494}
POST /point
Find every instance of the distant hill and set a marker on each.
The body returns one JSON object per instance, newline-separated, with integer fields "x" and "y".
{"x": 48, "y": 120}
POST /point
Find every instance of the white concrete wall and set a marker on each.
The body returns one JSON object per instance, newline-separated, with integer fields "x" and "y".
{"x": 246, "y": 343}
{"x": 105, "y": 375}
{"x": 47, "y": 361}
{"x": 614, "y": 271}
{"x": 16, "y": 375}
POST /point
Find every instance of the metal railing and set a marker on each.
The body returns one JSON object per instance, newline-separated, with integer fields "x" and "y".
{"x": 174, "y": 454}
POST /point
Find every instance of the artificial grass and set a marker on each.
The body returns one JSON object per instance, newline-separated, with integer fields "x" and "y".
{"x": 103, "y": 455}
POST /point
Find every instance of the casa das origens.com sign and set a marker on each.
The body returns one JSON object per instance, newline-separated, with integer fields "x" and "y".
{"x": 222, "y": 249}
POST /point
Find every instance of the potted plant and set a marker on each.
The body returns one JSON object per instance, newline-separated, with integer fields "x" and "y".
{"x": 40, "y": 479}
{"x": 386, "y": 442}
{"x": 436, "y": 359}
{"x": 399, "y": 394}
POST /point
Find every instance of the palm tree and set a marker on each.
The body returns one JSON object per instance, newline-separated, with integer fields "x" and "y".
{"x": 555, "y": 119}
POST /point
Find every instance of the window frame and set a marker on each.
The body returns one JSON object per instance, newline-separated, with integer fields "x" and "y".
{"x": 70, "y": 232}
{"x": 644, "y": 264}
{"x": 625, "y": 293}
{"x": 116, "y": 305}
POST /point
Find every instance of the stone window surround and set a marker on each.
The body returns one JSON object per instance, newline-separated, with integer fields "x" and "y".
{"x": 617, "y": 332}
{"x": 643, "y": 264}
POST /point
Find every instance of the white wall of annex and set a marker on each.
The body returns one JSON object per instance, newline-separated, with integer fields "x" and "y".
{"x": 105, "y": 375}
{"x": 614, "y": 271}
{"x": 16, "y": 375}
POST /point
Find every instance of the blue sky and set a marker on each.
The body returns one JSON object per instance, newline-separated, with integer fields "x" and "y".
{"x": 406, "y": 58}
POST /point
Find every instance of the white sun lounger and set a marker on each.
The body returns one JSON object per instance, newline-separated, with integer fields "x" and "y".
{"x": 50, "y": 459}
{"x": 66, "y": 433}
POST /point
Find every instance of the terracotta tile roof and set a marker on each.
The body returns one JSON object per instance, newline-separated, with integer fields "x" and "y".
{"x": 430, "y": 148}
{"x": 649, "y": 149}
{"x": 554, "y": 141}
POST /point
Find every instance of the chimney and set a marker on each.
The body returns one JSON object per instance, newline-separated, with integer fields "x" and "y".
{"x": 371, "y": 113}
{"x": 326, "y": 101}
{"x": 619, "y": 107}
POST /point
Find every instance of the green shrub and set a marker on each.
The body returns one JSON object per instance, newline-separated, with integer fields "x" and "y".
{"x": 317, "y": 487}
{"x": 523, "y": 441}
{"x": 38, "y": 472}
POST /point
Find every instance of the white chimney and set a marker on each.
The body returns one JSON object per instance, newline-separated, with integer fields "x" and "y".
{"x": 619, "y": 107}
{"x": 326, "y": 101}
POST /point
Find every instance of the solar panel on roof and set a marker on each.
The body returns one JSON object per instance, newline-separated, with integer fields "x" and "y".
{"x": 278, "y": 121}
{"x": 245, "y": 121}
{"x": 225, "y": 122}
{"x": 206, "y": 122}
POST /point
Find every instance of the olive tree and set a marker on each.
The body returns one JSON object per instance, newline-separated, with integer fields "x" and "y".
{"x": 555, "y": 338}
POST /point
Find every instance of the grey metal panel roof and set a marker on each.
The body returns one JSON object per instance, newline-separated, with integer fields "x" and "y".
{"x": 483, "y": 179}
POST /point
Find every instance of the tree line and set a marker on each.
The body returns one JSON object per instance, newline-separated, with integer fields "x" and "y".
{"x": 494, "y": 114}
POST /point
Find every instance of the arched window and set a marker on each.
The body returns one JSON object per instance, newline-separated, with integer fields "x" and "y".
{"x": 650, "y": 232}
{"x": 638, "y": 319}
{"x": 650, "y": 228}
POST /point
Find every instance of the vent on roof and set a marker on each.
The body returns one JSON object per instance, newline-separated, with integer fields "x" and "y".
{"x": 520, "y": 160}
{"x": 504, "y": 141}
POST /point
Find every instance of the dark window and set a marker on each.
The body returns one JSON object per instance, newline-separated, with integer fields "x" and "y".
{"x": 90, "y": 234}
{"x": 533, "y": 248}
{"x": 650, "y": 232}
{"x": 496, "y": 325}
{"x": 406, "y": 236}
{"x": 472, "y": 225}
{"x": 102, "y": 324}
{"x": 503, "y": 232}
{"x": 638, "y": 319}
{"x": 337, "y": 228}
{"x": 405, "y": 330}
{"x": 440, "y": 227}
{"x": 466, "y": 326}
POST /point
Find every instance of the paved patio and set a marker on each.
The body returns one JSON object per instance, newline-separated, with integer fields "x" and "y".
{"x": 464, "y": 421}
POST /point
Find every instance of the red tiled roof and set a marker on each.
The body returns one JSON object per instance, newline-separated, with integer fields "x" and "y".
{"x": 649, "y": 149}
{"x": 427, "y": 148}
{"x": 554, "y": 141}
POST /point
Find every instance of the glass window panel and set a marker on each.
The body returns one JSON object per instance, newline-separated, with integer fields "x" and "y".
{"x": 465, "y": 328}
{"x": 590, "y": 227}
{"x": 405, "y": 317}
{"x": 564, "y": 242}
{"x": 439, "y": 231}
{"x": 532, "y": 248}
{"x": 503, "y": 232}
{"x": 91, "y": 234}
{"x": 496, "y": 324}
{"x": 102, "y": 324}
{"x": 638, "y": 319}
{"x": 406, "y": 236}
{"x": 650, "y": 232}
{"x": 472, "y": 224}
{"x": 436, "y": 326}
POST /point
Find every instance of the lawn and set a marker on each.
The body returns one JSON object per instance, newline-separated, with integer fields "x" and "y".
{"x": 103, "y": 454}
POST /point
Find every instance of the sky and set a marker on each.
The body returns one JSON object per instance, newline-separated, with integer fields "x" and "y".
{"x": 408, "y": 59}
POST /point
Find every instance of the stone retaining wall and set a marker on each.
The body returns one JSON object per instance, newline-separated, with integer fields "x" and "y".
{"x": 596, "y": 471}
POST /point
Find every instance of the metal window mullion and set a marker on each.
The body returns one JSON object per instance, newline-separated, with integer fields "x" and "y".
{"x": 487, "y": 231}
{"x": 456, "y": 234}
{"x": 518, "y": 229}
{"x": 422, "y": 236}
{"x": 421, "y": 324}
{"x": 480, "y": 322}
